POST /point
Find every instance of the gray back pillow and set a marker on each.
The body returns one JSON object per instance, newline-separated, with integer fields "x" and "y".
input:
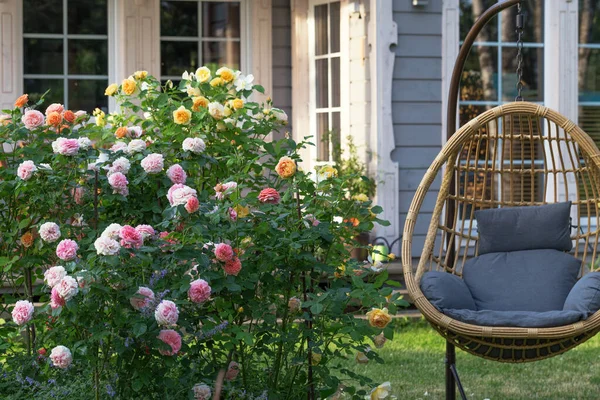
{"x": 445, "y": 290}
{"x": 524, "y": 228}
{"x": 585, "y": 295}
{"x": 529, "y": 280}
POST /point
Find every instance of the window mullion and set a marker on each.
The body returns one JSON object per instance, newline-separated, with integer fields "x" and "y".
{"x": 199, "y": 38}
{"x": 65, "y": 53}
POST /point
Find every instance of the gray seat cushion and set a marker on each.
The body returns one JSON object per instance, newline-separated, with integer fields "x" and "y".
{"x": 524, "y": 228}
{"x": 445, "y": 290}
{"x": 524, "y": 319}
{"x": 529, "y": 280}
{"x": 585, "y": 295}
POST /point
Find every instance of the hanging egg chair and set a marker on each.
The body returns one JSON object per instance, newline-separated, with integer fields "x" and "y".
{"x": 516, "y": 156}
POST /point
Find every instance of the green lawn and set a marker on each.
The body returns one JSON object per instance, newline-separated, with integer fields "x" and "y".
{"x": 414, "y": 366}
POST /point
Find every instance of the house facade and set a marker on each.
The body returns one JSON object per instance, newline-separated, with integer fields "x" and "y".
{"x": 375, "y": 70}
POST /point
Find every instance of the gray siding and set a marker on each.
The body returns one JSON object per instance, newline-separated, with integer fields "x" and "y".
{"x": 282, "y": 57}
{"x": 417, "y": 104}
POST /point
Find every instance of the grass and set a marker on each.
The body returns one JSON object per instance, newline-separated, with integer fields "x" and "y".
{"x": 414, "y": 364}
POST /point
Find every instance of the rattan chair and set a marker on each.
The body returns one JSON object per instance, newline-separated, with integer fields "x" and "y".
{"x": 517, "y": 154}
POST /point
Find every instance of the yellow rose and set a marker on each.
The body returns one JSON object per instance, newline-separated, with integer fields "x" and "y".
{"x": 216, "y": 82}
{"x": 379, "y": 318}
{"x": 361, "y": 358}
{"x": 227, "y": 111}
{"x": 382, "y": 391}
{"x": 360, "y": 197}
{"x": 182, "y": 116}
{"x": 340, "y": 271}
{"x": 286, "y": 167}
{"x": 327, "y": 172}
{"x": 203, "y": 74}
{"x": 237, "y": 103}
{"x": 242, "y": 211}
{"x": 199, "y": 102}
{"x": 226, "y": 74}
{"x": 129, "y": 86}
{"x": 140, "y": 74}
{"x": 315, "y": 359}
{"x": 100, "y": 117}
{"x": 111, "y": 89}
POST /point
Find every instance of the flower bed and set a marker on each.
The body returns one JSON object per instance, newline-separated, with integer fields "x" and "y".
{"x": 181, "y": 253}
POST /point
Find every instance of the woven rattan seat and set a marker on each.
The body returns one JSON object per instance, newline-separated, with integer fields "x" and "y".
{"x": 517, "y": 154}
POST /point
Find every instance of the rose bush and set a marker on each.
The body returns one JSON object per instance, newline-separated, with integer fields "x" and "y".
{"x": 172, "y": 251}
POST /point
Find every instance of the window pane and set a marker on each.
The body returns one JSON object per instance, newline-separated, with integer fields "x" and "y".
{"x": 335, "y": 82}
{"x": 479, "y": 80}
{"x": 179, "y": 18}
{"x": 321, "y": 29}
{"x": 37, "y": 87}
{"x": 88, "y": 57}
{"x": 87, "y": 94}
{"x": 42, "y": 16}
{"x": 334, "y": 16}
{"x": 589, "y": 23}
{"x": 43, "y": 56}
{"x": 533, "y": 26}
{"x": 221, "y": 20}
{"x": 218, "y": 54}
{"x": 469, "y": 112}
{"x": 323, "y": 136}
{"x": 470, "y": 12}
{"x": 321, "y": 83}
{"x": 87, "y": 17}
{"x": 336, "y": 130}
{"x": 589, "y": 74}
{"x": 533, "y": 73}
{"x": 589, "y": 121}
{"x": 177, "y": 57}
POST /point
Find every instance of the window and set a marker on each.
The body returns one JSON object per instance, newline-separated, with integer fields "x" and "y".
{"x": 489, "y": 79}
{"x": 197, "y": 33}
{"x": 324, "y": 47}
{"x": 65, "y": 49}
{"x": 589, "y": 71}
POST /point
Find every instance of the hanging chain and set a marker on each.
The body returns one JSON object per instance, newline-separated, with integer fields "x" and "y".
{"x": 519, "y": 30}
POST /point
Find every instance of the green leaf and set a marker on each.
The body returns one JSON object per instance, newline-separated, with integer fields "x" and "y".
{"x": 316, "y": 308}
{"x": 377, "y": 210}
{"x": 139, "y": 329}
{"x": 381, "y": 279}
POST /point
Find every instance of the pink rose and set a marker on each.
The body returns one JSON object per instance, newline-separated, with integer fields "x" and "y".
{"x": 179, "y": 194}
{"x": 192, "y": 205}
{"x": 176, "y": 174}
{"x": 26, "y": 170}
{"x": 233, "y": 266}
{"x": 119, "y": 183}
{"x": 311, "y": 218}
{"x": 53, "y": 276}
{"x": 232, "y": 371}
{"x": 145, "y": 230}
{"x": 143, "y": 298}
{"x": 232, "y": 214}
{"x": 224, "y": 189}
{"x": 67, "y": 250}
{"x": 78, "y": 194}
{"x": 61, "y": 357}
{"x": 55, "y": 299}
{"x": 194, "y": 145}
{"x": 130, "y": 237}
{"x": 105, "y": 246}
{"x": 269, "y": 196}
{"x": 173, "y": 339}
{"x": 67, "y": 288}
{"x": 199, "y": 291}
{"x": 23, "y": 312}
{"x": 119, "y": 146}
{"x": 66, "y": 147}
{"x": 223, "y": 252}
{"x": 32, "y": 119}
{"x": 55, "y": 107}
{"x": 153, "y": 163}
{"x": 49, "y": 232}
{"x": 166, "y": 313}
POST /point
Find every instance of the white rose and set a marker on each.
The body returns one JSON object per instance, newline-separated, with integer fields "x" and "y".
{"x": 106, "y": 246}
{"x": 68, "y": 288}
{"x": 84, "y": 143}
{"x": 112, "y": 231}
{"x": 121, "y": 164}
{"x": 136, "y": 146}
{"x": 54, "y": 275}
{"x": 49, "y": 232}
{"x": 182, "y": 195}
{"x": 216, "y": 110}
{"x": 194, "y": 145}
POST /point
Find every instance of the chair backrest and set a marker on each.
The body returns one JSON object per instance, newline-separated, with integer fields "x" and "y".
{"x": 517, "y": 154}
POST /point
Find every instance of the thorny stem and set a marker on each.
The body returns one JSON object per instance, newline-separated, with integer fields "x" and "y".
{"x": 96, "y": 200}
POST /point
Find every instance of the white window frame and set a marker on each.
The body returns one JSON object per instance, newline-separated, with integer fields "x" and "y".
{"x": 66, "y": 36}
{"x": 244, "y": 39}
{"x": 312, "y": 58}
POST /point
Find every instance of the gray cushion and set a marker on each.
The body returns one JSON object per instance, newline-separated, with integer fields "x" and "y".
{"x": 524, "y": 319}
{"x": 524, "y": 228}
{"x": 529, "y": 280}
{"x": 585, "y": 295}
{"x": 445, "y": 290}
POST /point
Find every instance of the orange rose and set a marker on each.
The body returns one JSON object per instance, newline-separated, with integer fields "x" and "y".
{"x": 286, "y": 167}
{"x": 54, "y": 118}
{"x": 379, "y": 318}
{"x": 22, "y": 100}
{"x": 27, "y": 239}
{"x": 199, "y": 102}
{"x": 355, "y": 222}
{"x": 69, "y": 116}
{"x": 121, "y": 132}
